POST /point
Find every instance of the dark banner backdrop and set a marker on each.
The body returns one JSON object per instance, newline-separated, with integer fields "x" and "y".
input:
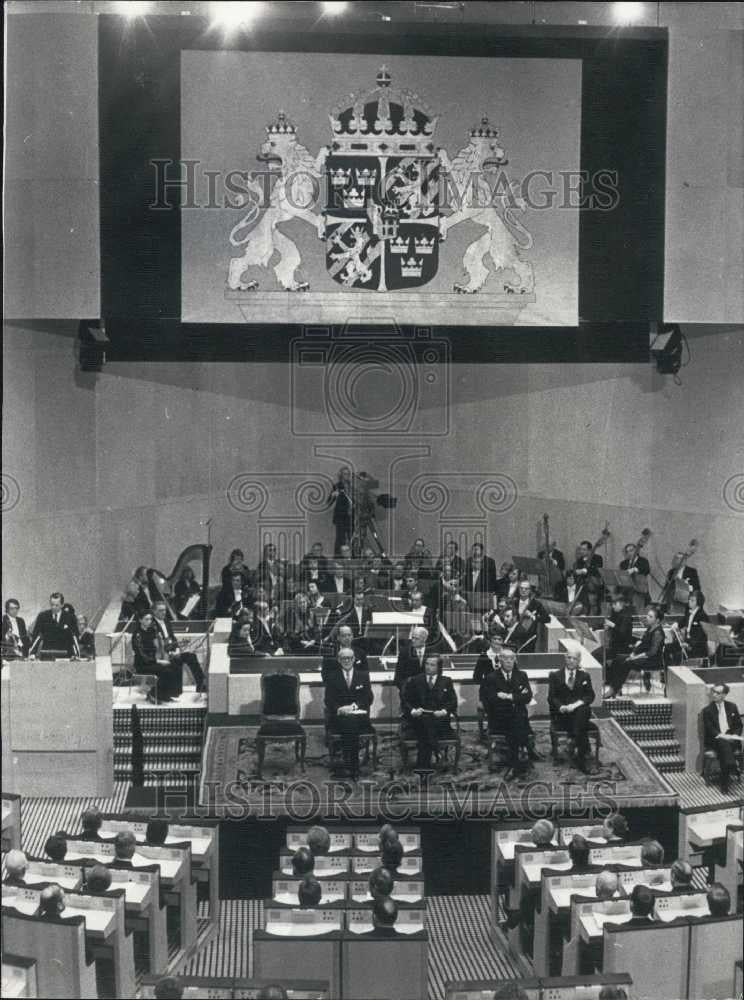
{"x": 623, "y": 122}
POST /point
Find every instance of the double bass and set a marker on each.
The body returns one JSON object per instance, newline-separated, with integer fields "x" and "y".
{"x": 676, "y": 592}
{"x": 553, "y": 575}
{"x": 639, "y": 580}
{"x": 594, "y": 583}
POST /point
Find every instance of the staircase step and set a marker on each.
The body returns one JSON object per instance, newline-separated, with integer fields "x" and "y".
{"x": 650, "y": 732}
{"x": 669, "y": 765}
{"x": 661, "y": 748}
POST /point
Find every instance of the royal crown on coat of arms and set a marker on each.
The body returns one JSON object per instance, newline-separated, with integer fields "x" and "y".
{"x": 384, "y": 121}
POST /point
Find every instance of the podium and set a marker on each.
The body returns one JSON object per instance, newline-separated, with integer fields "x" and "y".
{"x": 57, "y": 727}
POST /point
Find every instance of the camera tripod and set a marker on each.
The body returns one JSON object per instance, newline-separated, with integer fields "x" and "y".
{"x": 366, "y": 535}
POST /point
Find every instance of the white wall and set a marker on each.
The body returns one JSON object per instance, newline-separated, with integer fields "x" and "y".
{"x": 128, "y": 467}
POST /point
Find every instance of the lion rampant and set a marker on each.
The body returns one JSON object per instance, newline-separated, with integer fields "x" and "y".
{"x": 294, "y": 191}
{"x": 468, "y": 172}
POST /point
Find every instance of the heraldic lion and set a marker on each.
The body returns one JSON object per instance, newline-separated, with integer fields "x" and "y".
{"x": 294, "y": 192}
{"x": 475, "y": 199}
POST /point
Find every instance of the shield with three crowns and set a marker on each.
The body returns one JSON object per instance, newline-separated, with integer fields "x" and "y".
{"x": 382, "y": 193}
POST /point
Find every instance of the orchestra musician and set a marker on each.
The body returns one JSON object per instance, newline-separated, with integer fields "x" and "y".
{"x": 310, "y": 572}
{"x": 316, "y": 555}
{"x": 721, "y": 726}
{"x": 572, "y": 591}
{"x": 150, "y": 657}
{"x": 271, "y": 574}
{"x": 359, "y": 615}
{"x": 337, "y": 582}
{"x": 266, "y": 635}
{"x": 586, "y": 570}
{"x": 396, "y": 580}
{"x": 445, "y": 594}
{"x": 342, "y": 499}
{"x": 682, "y": 571}
{"x": 134, "y": 602}
{"x": 298, "y": 626}
{"x": 634, "y": 563}
{"x": 172, "y": 649}
{"x": 480, "y": 572}
{"x": 505, "y": 694}
{"x": 16, "y": 642}
{"x": 619, "y": 628}
{"x": 230, "y": 598}
{"x": 142, "y": 578}
{"x": 451, "y": 553}
{"x": 429, "y": 702}
{"x": 518, "y": 633}
{"x": 86, "y": 639}
{"x": 694, "y": 638}
{"x": 647, "y": 654}
{"x": 556, "y": 557}
{"x": 241, "y": 633}
{"x": 55, "y": 630}
{"x": 185, "y": 589}
{"x": 418, "y": 556}
{"x": 236, "y": 564}
{"x": 507, "y": 583}
{"x": 348, "y": 697}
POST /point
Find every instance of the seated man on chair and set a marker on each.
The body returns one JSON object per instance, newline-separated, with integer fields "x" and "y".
{"x": 647, "y": 655}
{"x": 174, "y": 653}
{"x": 348, "y": 697}
{"x": 429, "y": 700}
{"x": 506, "y": 693}
{"x": 722, "y": 727}
{"x": 570, "y": 693}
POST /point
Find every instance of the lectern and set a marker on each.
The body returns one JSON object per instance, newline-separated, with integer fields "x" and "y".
{"x": 57, "y": 727}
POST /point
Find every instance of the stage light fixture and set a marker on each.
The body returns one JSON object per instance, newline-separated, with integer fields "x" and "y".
{"x": 666, "y": 347}
{"x": 92, "y": 344}
{"x": 133, "y": 8}
{"x": 627, "y": 13}
{"x": 236, "y": 13}
{"x": 333, "y": 9}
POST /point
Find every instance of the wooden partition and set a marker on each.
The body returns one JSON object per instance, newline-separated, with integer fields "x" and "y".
{"x": 715, "y": 947}
{"x": 19, "y": 977}
{"x": 656, "y": 957}
{"x": 384, "y": 968}
{"x": 277, "y": 958}
{"x": 58, "y": 948}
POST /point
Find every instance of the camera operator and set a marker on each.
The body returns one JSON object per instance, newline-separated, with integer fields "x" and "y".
{"x": 342, "y": 500}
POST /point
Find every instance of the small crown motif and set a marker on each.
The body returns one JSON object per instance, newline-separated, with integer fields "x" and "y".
{"x": 485, "y": 130}
{"x": 340, "y": 177}
{"x": 354, "y": 199}
{"x": 366, "y": 178}
{"x": 424, "y": 246}
{"x": 282, "y": 126}
{"x": 399, "y": 245}
{"x": 411, "y": 268}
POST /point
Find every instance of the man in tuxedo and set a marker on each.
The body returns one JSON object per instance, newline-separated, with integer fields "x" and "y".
{"x": 633, "y": 563}
{"x": 480, "y": 572}
{"x": 56, "y": 629}
{"x": 647, "y": 655}
{"x": 336, "y": 582}
{"x": 150, "y": 657}
{"x": 451, "y": 553}
{"x": 570, "y": 693}
{"x": 721, "y": 726}
{"x": 682, "y": 571}
{"x": 506, "y": 693}
{"x": 430, "y": 701}
{"x": 527, "y": 606}
{"x": 134, "y": 602}
{"x": 619, "y": 630}
{"x": 556, "y": 557}
{"x": 348, "y": 697}
{"x": 15, "y": 637}
{"x": 357, "y": 616}
{"x": 344, "y": 639}
{"x": 412, "y": 658}
{"x": 171, "y": 646}
{"x": 586, "y": 571}
{"x": 517, "y": 633}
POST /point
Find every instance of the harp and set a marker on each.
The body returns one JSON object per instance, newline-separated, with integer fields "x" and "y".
{"x": 162, "y": 586}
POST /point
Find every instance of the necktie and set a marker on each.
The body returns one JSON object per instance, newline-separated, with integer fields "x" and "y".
{"x": 571, "y": 679}
{"x": 348, "y": 678}
{"x": 431, "y": 682}
{"x": 421, "y": 654}
{"x": 56, "y": 617}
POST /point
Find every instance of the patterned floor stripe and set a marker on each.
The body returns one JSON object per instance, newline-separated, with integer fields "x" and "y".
{"x": 694, "y": 792}
{"x": 460, "y": 944}
{"x": 42, "y": 817}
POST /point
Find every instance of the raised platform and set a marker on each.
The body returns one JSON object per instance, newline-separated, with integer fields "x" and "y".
{"x": 229, "y": 784}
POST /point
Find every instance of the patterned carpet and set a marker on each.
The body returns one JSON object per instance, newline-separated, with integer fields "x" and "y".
{"x": 460, "y": 946}
{"x": 623, "y": 772}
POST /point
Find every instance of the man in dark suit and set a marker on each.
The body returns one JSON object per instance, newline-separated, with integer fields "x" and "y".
{"x": 570, "y": 693}
{"x": 586, "y": 570}
{"x": 15, "y": 637}
{"x": 343, "y": 639}
{"x": 480, "y": 572}
{"x": 647, "y": 655}
{"x": 337, "y": 582}
{"x": 528, "y": 609}
{"x": 684, "y": 572}
{"x": 171, "y": 645}
{"x": 505, "y": 694}
{"x": 348, "y": 697}
{"x": 412, "y": 658}
{"x": 430, "y": 701}
{"x": 56, "y": 629}
{"x": 344, "y": 502}
{"x": 451, "y": 553}
{"x": 641, "y": 907}
{"x": 636, "y": 565}
{"x": 619, "y": 628}
{"x": 721, "y": 726}
{"x": 358, "y": 616}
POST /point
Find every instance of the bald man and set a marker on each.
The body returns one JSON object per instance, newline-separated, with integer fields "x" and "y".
{"x": 606, "y": 885}
{"x": 15, "y": 868}
{"x": 542, "y": 833}
{"x": 411, "y": 660}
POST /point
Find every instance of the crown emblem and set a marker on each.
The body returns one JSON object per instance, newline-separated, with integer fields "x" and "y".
{"x": 340, "y": 177}
{"x": 366, "y": 178}
{"x": 485, "y": 130}
{"x": 354, "y": 199}
{"x": 424, "y": 246}
{"x": 411, "y": 268}
{"x": 384, "y": 120}
{"x": 399, "y": 245}
{"x": 282, "y": 126}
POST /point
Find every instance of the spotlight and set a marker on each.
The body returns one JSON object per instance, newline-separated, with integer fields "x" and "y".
{"x": 92, "y": 345}
{"x": 627, "y": 13}
{"x": 235, "y": 13}
{"x": 666, "y": 347}
{"x": 332, "y": 9}
{"x": 133, "y": 8}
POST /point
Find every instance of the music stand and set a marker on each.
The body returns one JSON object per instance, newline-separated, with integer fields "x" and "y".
{"x": 586, "y": 635}
{"x": 719, "y": 634}
{"x": 530, "y": 567}
{"x": 616, "y": 579}
{"x": 556, "y": 608}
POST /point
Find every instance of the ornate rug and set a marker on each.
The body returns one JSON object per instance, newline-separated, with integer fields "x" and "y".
{"x": 229, "y": 781}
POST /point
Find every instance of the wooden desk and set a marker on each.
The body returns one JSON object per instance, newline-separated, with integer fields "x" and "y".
{"x": 384, "y": 968}
{"x": 277, "y": 958}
